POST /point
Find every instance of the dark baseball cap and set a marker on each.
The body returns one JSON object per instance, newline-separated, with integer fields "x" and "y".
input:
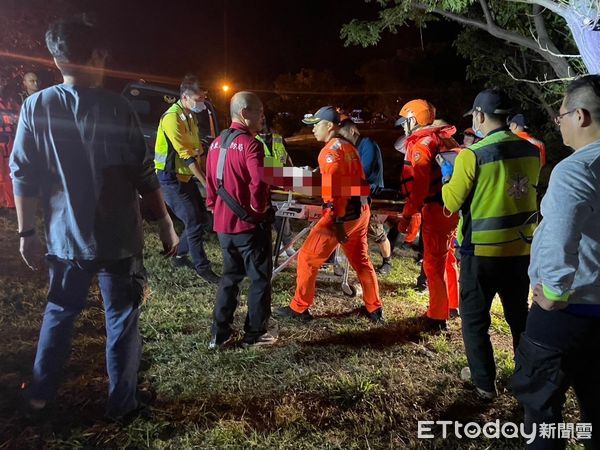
{"x": 491, "y": 101}
{"x": 519, "y": 120}
{"x": 325, "y": 113}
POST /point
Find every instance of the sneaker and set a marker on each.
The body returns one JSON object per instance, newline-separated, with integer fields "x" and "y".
{"x": 266, "y": 339}
{"x": 435, "y": 325}
{"x": 219, "y": 341}
{"x": 209, "y": 276}
{"x": 375, "y": 316}
{"x": 288, "y": 312}
{"x": 465, "y": 375}
{"x": 384, "y": 268}
{"x": 182, "y": 261}
{"x": 454, "y": 313}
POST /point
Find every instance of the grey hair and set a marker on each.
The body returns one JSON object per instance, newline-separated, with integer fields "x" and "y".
{"x": 243, "y": 100}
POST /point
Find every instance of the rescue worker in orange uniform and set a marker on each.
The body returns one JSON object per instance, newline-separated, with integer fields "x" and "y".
{"x": 517, "y": 125}
{"x": 423, "y": 142}
{"x": 9, "y": 113}
{"x": 345, "y": 221}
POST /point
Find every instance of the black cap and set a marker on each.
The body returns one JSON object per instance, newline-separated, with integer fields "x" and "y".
{"x": 325, "y": 113}
{"x": 518, "y": 119}
{"x": 491, "y": 101}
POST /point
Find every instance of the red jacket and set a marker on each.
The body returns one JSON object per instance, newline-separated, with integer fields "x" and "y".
{"x": 422, "y": 176}
{"x": 242, "y": 179}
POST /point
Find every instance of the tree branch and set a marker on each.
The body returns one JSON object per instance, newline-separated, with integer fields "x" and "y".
{"x": 486, "y": 13}
{"x": 556, "y": 8}
{"x": 537, "y": 80}
{"x": 560, "y": 66}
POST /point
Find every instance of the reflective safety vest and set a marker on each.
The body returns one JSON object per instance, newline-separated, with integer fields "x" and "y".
{"x": 500, "y": 213}
{"x": 169, "y": 156}
{"x": 276, "y": 156}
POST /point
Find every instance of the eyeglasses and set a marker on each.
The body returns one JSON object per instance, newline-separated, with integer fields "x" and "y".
{"x": 558, "y": 119}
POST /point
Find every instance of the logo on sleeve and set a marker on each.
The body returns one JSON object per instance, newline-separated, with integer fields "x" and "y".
{"x": 329, "y": 158}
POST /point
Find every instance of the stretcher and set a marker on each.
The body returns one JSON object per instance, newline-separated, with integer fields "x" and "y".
{"x": 294, "y": 206}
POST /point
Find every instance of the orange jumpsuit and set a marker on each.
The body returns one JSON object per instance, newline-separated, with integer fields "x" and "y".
{"x": 343, "y": 185}
{"x": 539, "y": 144}
{"x": 439, "y": 262}
{"x": 9, "y": 111}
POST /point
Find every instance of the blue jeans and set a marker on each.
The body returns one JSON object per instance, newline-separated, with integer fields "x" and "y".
{"x": 122, "y": 284}
{"x": 185, "y": 201}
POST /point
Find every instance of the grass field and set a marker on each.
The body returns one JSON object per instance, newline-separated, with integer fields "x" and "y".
{"x": 338, "y": 382}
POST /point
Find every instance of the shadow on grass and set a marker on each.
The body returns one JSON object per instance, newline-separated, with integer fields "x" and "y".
{"x": 392, "y": 333}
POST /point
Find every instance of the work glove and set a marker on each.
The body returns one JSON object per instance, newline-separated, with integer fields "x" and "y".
{"x": 447, "y": 170}
{"x": 340, "y": 233}
{"x": 403, "y": 224}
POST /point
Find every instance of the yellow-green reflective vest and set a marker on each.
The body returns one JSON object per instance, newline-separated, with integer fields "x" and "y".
{"x": 501, "y": 210}
{"x": 276, "y": 156}
{"x": 166, "y": 154}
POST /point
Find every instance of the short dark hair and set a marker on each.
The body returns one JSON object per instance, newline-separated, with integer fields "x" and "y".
{"x": 500, "y": 118}
{"x": 348, "y": 123}
{"x": 190, "y": 85}
{"x": 73, "y": 40}
{"x": 584, "y": 93}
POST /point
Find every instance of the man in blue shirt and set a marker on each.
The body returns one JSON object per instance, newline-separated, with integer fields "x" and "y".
{"x": 79, "y": 151}
{"x": 561, "y": 343}
{"x": 372, "y": 162}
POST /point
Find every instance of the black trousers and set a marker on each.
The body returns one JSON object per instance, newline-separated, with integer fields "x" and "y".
{"x": 481, "y": 278}
{"x": 245, "y": 254}
{"x": 558, "y": 350}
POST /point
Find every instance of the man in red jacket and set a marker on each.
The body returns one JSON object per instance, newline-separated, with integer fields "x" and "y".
{"x": 241, "y": 203}
{"x": 423, "y": 180}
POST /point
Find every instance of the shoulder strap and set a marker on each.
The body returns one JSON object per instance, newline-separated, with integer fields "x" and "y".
{"x": 227, "y": 137}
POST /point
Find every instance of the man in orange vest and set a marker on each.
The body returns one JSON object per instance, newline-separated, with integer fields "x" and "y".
{"x": 345, "y": 220}
{"x": 517, "y": 125}
{"x": 423, "y": 142}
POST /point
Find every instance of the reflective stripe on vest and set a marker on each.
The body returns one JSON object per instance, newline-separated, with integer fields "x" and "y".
{"x": 165, "y": 156}
{"x": 275, "y": 156}
{"x": 503, "y": 201}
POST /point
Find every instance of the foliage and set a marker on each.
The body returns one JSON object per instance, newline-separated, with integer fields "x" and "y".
{"x": 514, "y": 34}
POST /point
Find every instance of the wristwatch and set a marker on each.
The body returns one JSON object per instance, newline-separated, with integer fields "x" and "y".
{"x": 26, "y": 233}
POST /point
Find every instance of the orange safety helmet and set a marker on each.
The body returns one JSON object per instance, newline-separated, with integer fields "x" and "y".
{"x": 422, "y": 110}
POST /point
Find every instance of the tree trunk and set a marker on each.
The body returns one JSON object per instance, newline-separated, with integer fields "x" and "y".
{"x": 587, "y": 40}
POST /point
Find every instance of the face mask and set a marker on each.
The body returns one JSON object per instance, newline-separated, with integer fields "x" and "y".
{"x": 198, "y": 107}
{"x": 476, "y": 130}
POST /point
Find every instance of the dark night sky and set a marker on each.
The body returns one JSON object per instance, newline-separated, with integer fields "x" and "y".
{"x": 265, "y": 37}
